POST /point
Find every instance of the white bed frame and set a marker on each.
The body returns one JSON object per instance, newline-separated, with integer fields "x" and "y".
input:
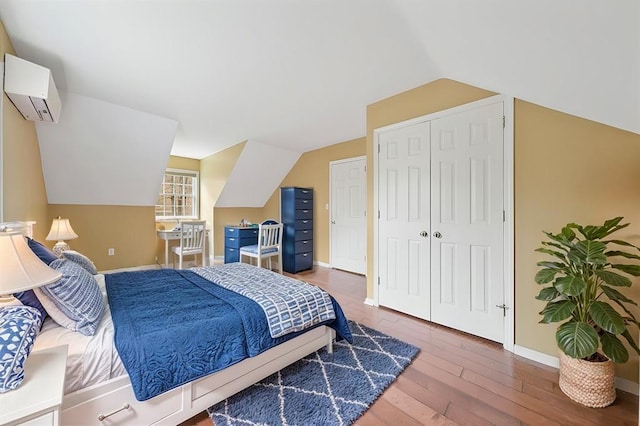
{"x": 113, "y": 402}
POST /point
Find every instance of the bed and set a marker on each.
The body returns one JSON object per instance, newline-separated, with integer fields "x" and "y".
{"x": 101, "y": 393}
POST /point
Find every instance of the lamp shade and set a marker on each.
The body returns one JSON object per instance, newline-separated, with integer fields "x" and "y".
{"x": 61, "y": 230}
{"x": 21, "y": 268}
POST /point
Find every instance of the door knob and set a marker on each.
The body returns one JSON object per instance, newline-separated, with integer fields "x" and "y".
{"x": 437, "y": 234}
{"x": 333, "y": 222}
{"x": 424, "y": 234}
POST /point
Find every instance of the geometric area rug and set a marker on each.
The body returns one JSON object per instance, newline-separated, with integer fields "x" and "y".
{"x": 322, "y": 388}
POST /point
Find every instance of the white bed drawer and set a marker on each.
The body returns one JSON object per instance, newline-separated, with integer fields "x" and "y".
{"x": 147, "y": 412}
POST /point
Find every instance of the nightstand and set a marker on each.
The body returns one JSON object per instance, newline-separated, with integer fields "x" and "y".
{"x": 38, "y": 399}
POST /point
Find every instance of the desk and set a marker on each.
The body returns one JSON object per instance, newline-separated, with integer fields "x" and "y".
{"x": 168, "y": 235}
{"x": 236, "y": 237}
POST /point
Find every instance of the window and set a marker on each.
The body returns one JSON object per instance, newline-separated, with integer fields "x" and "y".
{"x": 178, "y": 198}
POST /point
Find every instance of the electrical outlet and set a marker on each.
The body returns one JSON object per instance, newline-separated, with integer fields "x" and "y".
{"x": 112, "y": 252}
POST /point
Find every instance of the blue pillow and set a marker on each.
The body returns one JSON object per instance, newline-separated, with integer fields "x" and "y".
{"x": 43, "y": 253}
{"x": 28, "y": 298}
{"x": 75, "y": 300}
{"x": 19, "y": 326}
{"x": 81, "y": 260}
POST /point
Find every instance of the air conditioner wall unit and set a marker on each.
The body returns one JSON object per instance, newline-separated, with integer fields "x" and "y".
{"x": 31, "y": 89}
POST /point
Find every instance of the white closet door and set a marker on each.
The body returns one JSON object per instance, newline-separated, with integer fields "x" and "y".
{"x": 403, "y": 201}
{"x": 467, "y": 221}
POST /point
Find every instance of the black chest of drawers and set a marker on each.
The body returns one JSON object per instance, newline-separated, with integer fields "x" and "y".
{"x": 296, "y": 209}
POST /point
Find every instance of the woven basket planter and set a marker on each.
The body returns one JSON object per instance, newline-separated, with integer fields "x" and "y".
{"x": 589, "y": 383}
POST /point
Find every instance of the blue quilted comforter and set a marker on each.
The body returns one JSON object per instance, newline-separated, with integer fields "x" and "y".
{"x": 172, "y": 327}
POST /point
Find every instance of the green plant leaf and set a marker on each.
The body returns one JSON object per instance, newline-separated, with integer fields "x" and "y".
{"x": 616, "y": 296}
{"x": 558, "y": 246}
{"x": 577, "y": 339}
{"x": 568, "y": 233}
{"x": 629, "y": 269}
{"x": 545, "y": 275}
{"x": 591, "y": 252}
{"x": 606, "y": 317}
{"x": 570, "y": 285}
{"x": 613, "y": 253}
{"x": 590, "y": 232}
{"x": 548, "y": 294}
{"x": 612, "y": 223}
{"x": 557, "y": 311}
{"x": 559, "y": 239}
{"x": 550, "y": 252}
{"x": 621, "y": 243}
{"x": 614, "y": 349}
{"x": 631, "y": 318}
{"x": 552, "y": 265}
{"x": 613, "y": 279}
{"x": 631, "y": 341}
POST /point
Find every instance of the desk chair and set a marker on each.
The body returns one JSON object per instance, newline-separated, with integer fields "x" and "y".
{"x": 192, "y": 237}
{"x": 269, "y": 244}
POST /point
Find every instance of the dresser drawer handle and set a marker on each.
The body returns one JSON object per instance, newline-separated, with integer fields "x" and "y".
{"x": 232, "y": 239}
{"x": 101, "y": 417}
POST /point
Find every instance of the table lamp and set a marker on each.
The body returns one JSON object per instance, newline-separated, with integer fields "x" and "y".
{"x": 21, "y": 268}
{"x": 61, "y": 230}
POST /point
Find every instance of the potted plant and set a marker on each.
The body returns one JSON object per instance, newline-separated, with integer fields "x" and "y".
{"x": 580, "y": 288}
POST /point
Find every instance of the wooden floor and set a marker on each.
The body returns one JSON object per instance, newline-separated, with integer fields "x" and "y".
{"x": 457, "y": 378}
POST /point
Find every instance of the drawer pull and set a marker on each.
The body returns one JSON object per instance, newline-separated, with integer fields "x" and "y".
{"x": 101, "y": 417}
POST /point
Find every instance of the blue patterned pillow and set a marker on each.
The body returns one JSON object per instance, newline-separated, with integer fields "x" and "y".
{"x": 19, "y": 326}
{"x": 74, "y": 301}
{"x": 81, "y": 260}
{"x": 28, "y": 298}
{"x": 43, "y": 253}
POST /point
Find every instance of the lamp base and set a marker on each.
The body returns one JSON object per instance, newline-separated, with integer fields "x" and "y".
{"x": 6, "y": 298}
{"x": 59, "y": 248}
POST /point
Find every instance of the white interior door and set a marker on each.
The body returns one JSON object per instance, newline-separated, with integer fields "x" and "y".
{"x": 467, "y": 221}
{"x": 403, "y": 224}
{"x": 348, "y": 214}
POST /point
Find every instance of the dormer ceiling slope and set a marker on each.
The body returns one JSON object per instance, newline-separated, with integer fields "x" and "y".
{"x": 298, "y": 75}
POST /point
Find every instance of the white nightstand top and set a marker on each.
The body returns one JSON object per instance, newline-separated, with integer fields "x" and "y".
{"x": 42, "y": 387}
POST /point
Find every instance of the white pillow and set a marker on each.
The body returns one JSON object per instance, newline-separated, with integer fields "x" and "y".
{"x": 74, "y": 301}
{"x": 81, "y": 260}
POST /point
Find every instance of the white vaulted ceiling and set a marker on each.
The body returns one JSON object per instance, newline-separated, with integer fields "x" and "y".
{"x": 298, "y": 75}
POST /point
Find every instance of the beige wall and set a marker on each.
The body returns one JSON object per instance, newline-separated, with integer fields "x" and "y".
{"x": 214, "y": 172}
{"x": 310, "y": 171}
{"x": 130, "y": 230}
{"x": 24, "y": 194}
{"x": 232, "y": 216}
{"x": 567, "y": 169}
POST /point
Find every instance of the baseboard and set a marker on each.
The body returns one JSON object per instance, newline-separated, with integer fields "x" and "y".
{"x": 132, "y": 268}
{"x": 325, "y": 265}
{"x": 552, "y": 361}
{"x": 369, "y": 301}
